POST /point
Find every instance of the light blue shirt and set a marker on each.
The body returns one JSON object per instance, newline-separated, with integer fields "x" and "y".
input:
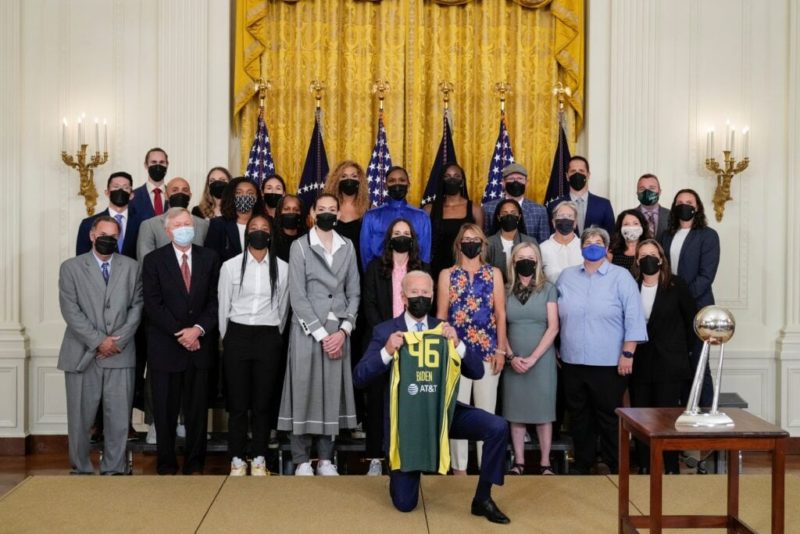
{"x": 377, "y": 220}
{"x": 598, "y": 312}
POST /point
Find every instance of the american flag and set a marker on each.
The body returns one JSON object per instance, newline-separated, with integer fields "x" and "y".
{"x": 260, "y": 164}
{"x": 379, "y": 163}
{"x": 316, "y": 167}
{"x": 501, "y": 157}
{"x": 558, "y": 186}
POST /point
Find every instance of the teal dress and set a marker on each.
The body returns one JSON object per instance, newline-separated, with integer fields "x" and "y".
{"x": 530, "y": 397}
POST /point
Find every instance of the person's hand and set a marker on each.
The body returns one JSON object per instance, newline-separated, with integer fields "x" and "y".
{"x": 335, "y": 355}
{"x": 394, "y": 342}
{"x": 108, "y": 347}
{"x": 497, "y": 361}
{"x": 518, "y": 365}
{"x": 625, "y": 366}
{"x": 194, "y": 346}
{"x": 450, "y": 333}
{"x": 333, "y": 343}
{"x": 187, "y": 336}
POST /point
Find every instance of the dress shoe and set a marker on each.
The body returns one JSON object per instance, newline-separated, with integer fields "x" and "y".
{"x": 490, "y": 511}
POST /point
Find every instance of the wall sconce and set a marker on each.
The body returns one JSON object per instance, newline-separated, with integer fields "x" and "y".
{"x": 730, "y": 167}
{"x": 78, "y": 161}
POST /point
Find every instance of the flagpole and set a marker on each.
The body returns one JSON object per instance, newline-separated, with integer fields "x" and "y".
{"x": 380, "y": 88}
{"x": 446, "y": 88}
{"x": 562, "y": 92}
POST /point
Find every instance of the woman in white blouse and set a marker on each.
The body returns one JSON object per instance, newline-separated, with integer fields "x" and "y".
{"x": 563, "y": 249}
{"x": 253, "y": 305}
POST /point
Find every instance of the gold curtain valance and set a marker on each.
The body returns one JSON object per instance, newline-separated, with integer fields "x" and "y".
{"x": 414, "y": 45}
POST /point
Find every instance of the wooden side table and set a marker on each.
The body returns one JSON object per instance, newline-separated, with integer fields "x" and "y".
{"x": 656, "y": 428}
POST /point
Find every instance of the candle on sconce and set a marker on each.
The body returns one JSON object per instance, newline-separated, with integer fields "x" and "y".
{"x": 727, "y": 135}
{"x": 96, "y": 134}
{"x": 64, "y": 134}
{"x": 733, "y": 135}
{"x": 711, "y": 143}
{"x": 80, "y": 132}
{"x": 746, "y": 142}
{"x": 105, "y": 135}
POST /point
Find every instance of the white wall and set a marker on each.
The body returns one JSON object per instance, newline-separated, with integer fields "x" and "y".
{"x": 660, "y": 72}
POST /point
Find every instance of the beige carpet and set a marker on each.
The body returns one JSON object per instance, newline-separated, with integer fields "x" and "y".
{"x": 534, "y": 504}
{"x": 707, "y": 495}
{"x": 305, "y": 504}
{"x": 352, "y": 504}
{"x": 87, "y": 504}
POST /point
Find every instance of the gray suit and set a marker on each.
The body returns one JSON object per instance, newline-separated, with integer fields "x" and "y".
{"x": 496, "y": 256}
{"x": 93, "y": 310}
{"x": 152, "y": 235}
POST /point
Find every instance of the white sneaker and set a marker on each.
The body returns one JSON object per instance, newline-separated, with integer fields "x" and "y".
{"x": 375, "y": 468}
{"x": 326, "y": 469}
{"x": 238, "y": 467}
{"x": 180, "y": 430}
{"x": 304, "y": 470}
{"x": 150, "y": 439}
{"x": 258, "y": 467}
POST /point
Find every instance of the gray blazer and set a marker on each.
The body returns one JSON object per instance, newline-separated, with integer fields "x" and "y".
{"x": 152, "y": 235}
{"x": 316, "y": 289}
{"x": 94, "y": 310}
{"x": 496, "y": 256}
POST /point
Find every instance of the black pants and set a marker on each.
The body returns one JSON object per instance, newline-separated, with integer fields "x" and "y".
{"x": 592, "y": 394}
{"x": 656, "y": 395}
{"x": 186, "y": 390}
{"x": 252, "y": 372}
{"x": 375, "y": 395}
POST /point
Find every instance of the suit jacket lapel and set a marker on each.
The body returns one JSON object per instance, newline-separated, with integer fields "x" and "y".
{"x": 198, "y": 264}
{"x": 94, "y": 272}
{"x": 174, "y": 267}
{"x": 339, "y": 258}
{"x": 116, "y": 267}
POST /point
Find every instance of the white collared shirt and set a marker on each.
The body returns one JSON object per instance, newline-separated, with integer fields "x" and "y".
{"x": 150, "y": 188}
{"x": 411, "y": 326}
{"x": 249, "y": 301}
{"x": 179, "y": 254}
{"x": 101, "y": 262}
{"x": 556, "y": 257}
{"x": 337, "y": 243}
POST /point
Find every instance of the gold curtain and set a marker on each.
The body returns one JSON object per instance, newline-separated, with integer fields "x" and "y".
{"x": 414, "y": 45}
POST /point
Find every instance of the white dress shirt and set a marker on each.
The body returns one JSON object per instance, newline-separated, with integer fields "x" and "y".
{"x": 151, "y": 188}
{"x": 675, "y": 248}
{"x": 411, "y": 326}
{"x": 557, "y": 257}
{"x": 648, "y": 298}
{"x": 249, "y": 301}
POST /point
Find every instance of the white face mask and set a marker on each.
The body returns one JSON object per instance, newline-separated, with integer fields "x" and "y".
{"x": 631, "y": 233}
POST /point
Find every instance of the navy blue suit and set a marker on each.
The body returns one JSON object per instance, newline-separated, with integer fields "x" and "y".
{"x": 143, "y": 205}
{"x": 84, "y": 244}
{"x": 598, "y": 212}
{"x": 223, "y": 238}
{"x": 468, "y": 422}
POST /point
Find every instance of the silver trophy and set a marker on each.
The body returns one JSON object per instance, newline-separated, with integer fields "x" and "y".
{"x": 715, "y": 326}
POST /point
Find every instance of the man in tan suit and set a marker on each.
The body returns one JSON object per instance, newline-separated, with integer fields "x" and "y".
{"x": 100, "y": 293}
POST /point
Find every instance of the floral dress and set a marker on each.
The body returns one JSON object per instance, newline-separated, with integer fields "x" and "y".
{"x": 471, "y": 310}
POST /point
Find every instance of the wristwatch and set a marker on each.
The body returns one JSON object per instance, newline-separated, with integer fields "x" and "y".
{"x": 627, "y": 354}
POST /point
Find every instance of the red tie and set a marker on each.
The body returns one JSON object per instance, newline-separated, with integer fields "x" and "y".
{"x": 187, "y": 276}
{"x": 158, "y": 204}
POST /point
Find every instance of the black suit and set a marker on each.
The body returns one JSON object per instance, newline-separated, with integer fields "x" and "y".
{"x": 223, "y": 238}
{"x": 129, "y": 237}
{"x": 697, "y": 265}
{"x": 178, "y": 374}
{"x": 661, "y": 365}
{"x": 377, "y": 300}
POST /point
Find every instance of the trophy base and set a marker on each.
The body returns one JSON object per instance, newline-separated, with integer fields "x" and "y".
{"x": 689, "y": 420}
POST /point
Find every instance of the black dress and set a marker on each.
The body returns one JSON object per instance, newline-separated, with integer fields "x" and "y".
{"x": 352, "y": 231}
{"x": 443, "y": 234}
{"x": 623, "y": 261}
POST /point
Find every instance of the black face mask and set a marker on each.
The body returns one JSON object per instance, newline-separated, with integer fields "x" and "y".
{"x": 259, "y": 239}
{"x": 509, "y": 222}
{"x": 471, "y": 250}
{"x": 119, "y": 197}
{"x": 649, "y": 265}
{"x": 565, "y": 226}
{"x": 272, "y": 199}
{"x": 401, "y": 243}
{"x": 326, "y": 221}
{"x": 452, "y": 187}
{"x": 179, "y": 200}
{"x": 577, "y": 181}
{"x": 105, "y": 245}
{"x": 348, "y": 187}
{"x": 647, "y": 197}
{"x": 217, "y": 188}
{"x": 418, "y": 307}
{"x": 290, "y": 221}
{"x": 685, "y": 212}
{"x": 398, "y": 191}
{"x": 515, "y": 189}
{"x": 157, "y": 172}
{"x": 525, "y": 267}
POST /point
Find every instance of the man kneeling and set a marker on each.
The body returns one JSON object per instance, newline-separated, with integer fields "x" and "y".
{"x": 465, "y": 422}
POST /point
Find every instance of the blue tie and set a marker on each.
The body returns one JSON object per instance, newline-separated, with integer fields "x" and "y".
{"x": 121, "y": 239}
{"x": 104, "y": 268}
{"x": 420, "y": 326}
